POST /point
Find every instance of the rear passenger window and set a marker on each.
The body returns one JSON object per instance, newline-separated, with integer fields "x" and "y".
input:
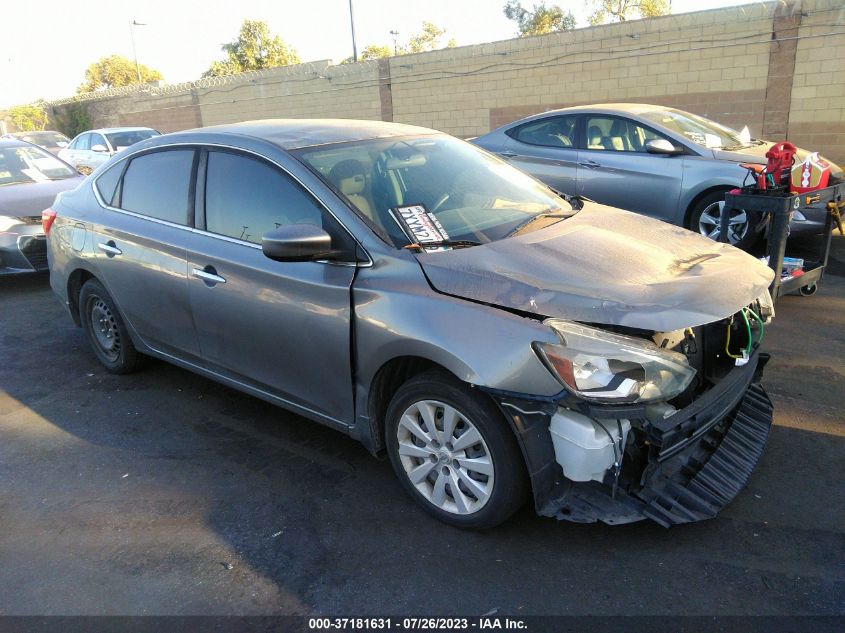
{"x": 245, "y": 198}
{"x": 158, "y": 185}
{"x": 556, "y": 131}
{"x": 107, "y": 183}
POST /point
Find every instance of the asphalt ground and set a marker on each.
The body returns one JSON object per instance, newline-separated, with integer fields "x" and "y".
{"x": 165, "y": 493}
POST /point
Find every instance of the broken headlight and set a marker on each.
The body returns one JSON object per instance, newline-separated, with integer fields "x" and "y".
{"x": 601, "y": 366}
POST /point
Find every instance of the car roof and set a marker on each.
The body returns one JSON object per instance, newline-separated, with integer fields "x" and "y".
{"x": 14, "y": 142}
{"x": 292, "y": 134}
{"x": 109, "y": 130}
{"x": 606, "y": 108}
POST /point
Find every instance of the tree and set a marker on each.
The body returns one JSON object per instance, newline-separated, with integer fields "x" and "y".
{"x": 73, "y": 118}
{"x": 375, "y": 51}
{"x": 622, "y": 10}
{"x": 427, "y": 40}
{"x": 254, "y": 49}
{"x": 115, "y": 71}
{"x": 29, "y": 118}
{"x": 541, "y": 20}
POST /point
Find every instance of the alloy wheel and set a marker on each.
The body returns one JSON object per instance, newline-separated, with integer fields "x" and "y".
{"x": 445, "y": 457}
{"x": 710, "y": 223}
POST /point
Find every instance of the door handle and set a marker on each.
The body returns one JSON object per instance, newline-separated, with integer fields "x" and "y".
{"x": 589, "y": 164}
{"x": 508, "y": 154}
{"x": 109, "y": 248}
{"x": 209, "y": 275}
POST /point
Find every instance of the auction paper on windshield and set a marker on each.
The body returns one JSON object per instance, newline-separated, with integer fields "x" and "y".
{"x": 420, "y": 226}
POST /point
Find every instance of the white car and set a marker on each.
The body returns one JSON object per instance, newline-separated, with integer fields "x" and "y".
{"x": 91, "y": 149}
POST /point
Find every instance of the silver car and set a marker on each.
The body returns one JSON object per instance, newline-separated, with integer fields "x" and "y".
{"x": 659, "y": 161}
{"x": 30, "y": 178}
{"x": 493, "y": 339}
{"x": 89, "y": 150}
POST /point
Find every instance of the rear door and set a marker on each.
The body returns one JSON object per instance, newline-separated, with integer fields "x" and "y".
{"x": 140, "y": 246}
{"x": 280, "y": 327}
{"x": 615, "y": 168}
{"x": 547, "y": 149}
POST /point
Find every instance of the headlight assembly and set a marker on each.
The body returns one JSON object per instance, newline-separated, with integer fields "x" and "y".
{"x": 612, "y": 368}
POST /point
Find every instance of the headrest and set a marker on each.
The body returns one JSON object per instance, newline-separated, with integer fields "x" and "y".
{"x": 352, "y": 185}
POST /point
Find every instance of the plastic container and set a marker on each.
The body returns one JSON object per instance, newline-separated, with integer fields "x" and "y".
{"x": 582, "y": 448}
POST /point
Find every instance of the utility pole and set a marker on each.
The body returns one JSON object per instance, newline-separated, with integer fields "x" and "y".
{"x": 132, "y": 26}
{"x": 395, "y": 35}
{"x": 352, "y": 23}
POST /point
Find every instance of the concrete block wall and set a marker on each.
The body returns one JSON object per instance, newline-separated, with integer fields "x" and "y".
{"x": 817, "y": 105}
{"x": 777, "y": 67}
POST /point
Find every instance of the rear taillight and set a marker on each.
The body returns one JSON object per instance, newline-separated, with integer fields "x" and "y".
{"x": 48, "y": 216}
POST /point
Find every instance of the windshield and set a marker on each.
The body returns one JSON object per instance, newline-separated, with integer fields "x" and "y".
{"x": 697, "y": 129}
{"x": 30, "y": 164}
{"x": 473, "y": 197}
{"x": 121, "y": 140}
{"x": 45, "y": 139}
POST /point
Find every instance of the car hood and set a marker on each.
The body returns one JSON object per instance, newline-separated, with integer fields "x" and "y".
{"x": 607, "y": 266}
{"x": 31, "y": 198}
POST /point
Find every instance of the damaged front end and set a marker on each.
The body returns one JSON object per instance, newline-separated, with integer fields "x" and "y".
{"x": 664, "y": 426}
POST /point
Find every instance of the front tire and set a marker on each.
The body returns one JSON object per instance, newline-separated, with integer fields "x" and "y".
{"x": 705, "y": 218}
{"x": 106, "y": 331}
{"x": 454, "y": 452}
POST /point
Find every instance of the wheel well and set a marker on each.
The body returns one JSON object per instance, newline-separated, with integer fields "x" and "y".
{"x": 700, "y": 197}
{"x": 387, "y": 381}
{"x": 74, "y": 284}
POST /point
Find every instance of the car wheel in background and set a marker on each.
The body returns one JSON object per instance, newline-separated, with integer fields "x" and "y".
{"x": 454, "y": 452}
{"x": 705, "y": 218}
{"x": 106, "y": 331}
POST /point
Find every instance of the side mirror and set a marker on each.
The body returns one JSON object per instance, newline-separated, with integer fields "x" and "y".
{"x": 99, "y": 148}
{"x": 661, "y": 146}
{"x": 297, "y": 243}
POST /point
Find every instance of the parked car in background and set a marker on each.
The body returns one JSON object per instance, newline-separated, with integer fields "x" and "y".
{"x": 52, "y": 141}
{"x": 442, "y": 307}
{"x": 30, "y": 178}
{"x": 91, "y": 149}
{"x": 659, "y": 161}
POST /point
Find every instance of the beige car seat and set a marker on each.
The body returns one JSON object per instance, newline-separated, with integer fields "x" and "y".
{"x": 348, "y": 176}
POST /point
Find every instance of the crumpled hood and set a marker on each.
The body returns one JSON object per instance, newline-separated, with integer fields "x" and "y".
{"x": 757, "y": 154}
{"x": 31, "y": 198}
{"x": 609, "y": 266}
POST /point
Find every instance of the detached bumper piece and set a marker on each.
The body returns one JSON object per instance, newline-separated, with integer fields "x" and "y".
{"x": 696, "y": 483}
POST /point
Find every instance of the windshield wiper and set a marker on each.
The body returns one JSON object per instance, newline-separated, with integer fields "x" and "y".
{"x": 421, "y": 246}
{"x": 541, "y": 216}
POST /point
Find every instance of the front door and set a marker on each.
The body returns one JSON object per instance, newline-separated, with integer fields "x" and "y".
{"x": 615, "y": 169}
{"x": 280, "y": 327}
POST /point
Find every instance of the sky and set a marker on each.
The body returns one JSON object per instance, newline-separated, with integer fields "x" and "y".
{"x": 46, "y": 56}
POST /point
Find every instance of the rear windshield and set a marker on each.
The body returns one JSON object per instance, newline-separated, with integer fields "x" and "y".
{"x": 473, "y": 196}
{"x": 121, "y": 140}
{"x": 20, "y": 164}
{"x": 45, "y": 139}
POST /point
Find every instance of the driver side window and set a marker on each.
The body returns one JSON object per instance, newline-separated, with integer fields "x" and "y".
{"x": 245, "y": 198}
{"x": 83, "y": 142}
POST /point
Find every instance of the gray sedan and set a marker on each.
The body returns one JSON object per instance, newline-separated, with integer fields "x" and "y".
{"x": 493, "y": 339}
{"x": 663, "y": 162}
{"x": 30, "y": 178}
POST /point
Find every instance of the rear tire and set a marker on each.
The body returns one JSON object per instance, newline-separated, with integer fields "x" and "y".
{"x": 743, "y": 225}
{"x": 454, "y": 452}
{"x": 106, "y": 331}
